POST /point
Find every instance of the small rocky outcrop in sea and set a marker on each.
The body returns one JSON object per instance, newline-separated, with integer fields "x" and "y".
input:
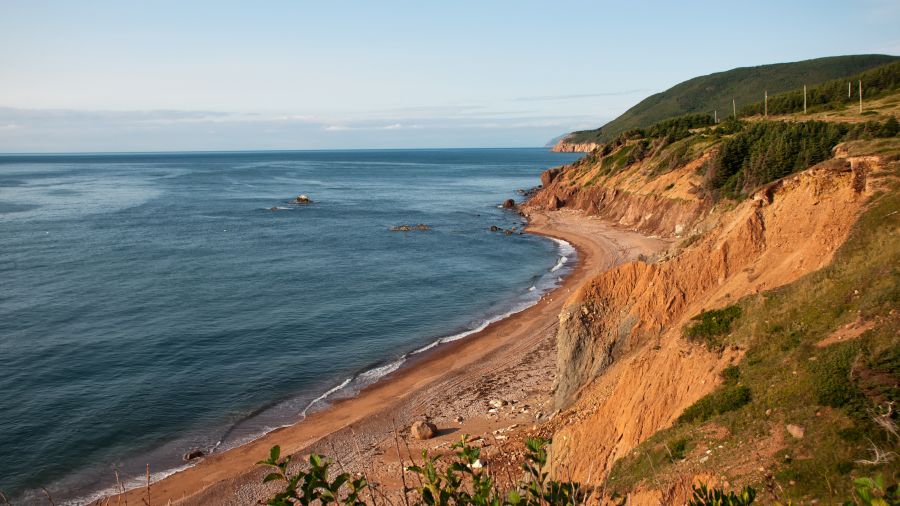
{"x": 421, "y": 227}
{"x": 423, "y": 429}
{"x": 193, "y": 454}
{"x": 506, "y": 231}
{"x": 302, "y": 199}
{"x": 509, "y": 204}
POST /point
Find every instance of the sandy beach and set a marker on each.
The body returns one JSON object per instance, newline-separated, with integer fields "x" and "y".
{"x": 512, "y": 360}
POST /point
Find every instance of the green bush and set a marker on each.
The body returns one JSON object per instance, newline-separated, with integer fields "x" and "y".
{"x": 716, "y": 497}
{"x": 731, "y": 374}
{"x": 677, "y": 449}
{"x": 766, "y": 151}
{"x": 726, "y": 398}
{"x": 712, "y": 324}
{"x": 460, "y": 482}
{"x": 831, "y": 376}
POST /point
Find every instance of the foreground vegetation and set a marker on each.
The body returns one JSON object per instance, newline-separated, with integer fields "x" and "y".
{"x": 462, "y": 482}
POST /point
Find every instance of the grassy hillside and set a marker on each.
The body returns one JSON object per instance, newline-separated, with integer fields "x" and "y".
{"x": 745, "y": 85}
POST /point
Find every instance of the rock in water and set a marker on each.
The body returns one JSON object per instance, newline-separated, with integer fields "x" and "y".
{"x": 423, "y": 430}
{"x": 421, "y": 227}
{"x": 302, "y": 199}
{"x": 193, "y": 454}
{"x": 509, "y": 204}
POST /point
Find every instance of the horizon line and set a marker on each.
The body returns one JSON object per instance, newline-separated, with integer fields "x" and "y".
{"x": 200, "y": 151}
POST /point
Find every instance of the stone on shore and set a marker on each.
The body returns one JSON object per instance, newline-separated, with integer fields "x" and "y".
{"x": 193, "y": 454}
{"x": 509, "y": 204}
{"x": 423, "y": 430}
{"x": 795, "y": 430}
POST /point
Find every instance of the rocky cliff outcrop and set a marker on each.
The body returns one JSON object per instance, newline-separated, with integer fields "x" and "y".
{"x": 666, "y": 205}
{"x": 565, "y": 146}
{"x": 624, "y": 370}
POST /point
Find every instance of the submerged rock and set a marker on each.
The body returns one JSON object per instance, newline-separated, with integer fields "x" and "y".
{"x": 421, "y": 227}
{"x": 423, "y": 430}
{"x": 193, "y": 454}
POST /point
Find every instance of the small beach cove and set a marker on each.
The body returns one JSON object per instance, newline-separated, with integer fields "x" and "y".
{"x": 512, "y": 359}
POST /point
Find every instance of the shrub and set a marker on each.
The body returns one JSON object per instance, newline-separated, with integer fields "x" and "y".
{"x": 712, "y": 324}
{"x": 831, "y": 376}
{"x": 716, "y": 497}
{"x": 731, "y": 374}
{"x": 459, "y": 482}
{"x": 726, "y": 398}
{"x": 677, "y": 449}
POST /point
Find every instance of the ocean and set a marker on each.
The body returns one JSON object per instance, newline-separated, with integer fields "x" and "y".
{"x": 152, "y": 304}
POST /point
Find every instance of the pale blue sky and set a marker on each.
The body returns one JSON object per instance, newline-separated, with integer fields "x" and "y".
{"x": 158, "y": 75}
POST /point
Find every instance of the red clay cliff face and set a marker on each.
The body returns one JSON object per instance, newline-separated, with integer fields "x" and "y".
{"x": 564, "y": 146}
{"x": 662, "y": 205}
{"x": 623, "y": 370}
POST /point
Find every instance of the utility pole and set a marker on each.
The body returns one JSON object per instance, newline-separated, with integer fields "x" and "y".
{"x": 848, "y": 89}
{"x": 733, "y": 109}
{"x": 804, "y": 99}
{"x": 766, "y": 105}
{"x": 860, "y": 96}
{"x": 715, "y": 115}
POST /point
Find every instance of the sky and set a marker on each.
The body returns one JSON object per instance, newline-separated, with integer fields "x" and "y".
{"x": 219, "y": 75}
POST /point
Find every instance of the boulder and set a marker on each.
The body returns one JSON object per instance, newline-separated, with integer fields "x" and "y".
{"x": 497, "y": 403}
{"x": 423, "y": 430}
{"x": 302, "y": 199}
{"x": 193, "y": 454}
{"x": 509, "y": 204}
{"x": 555, "y": 203}
{"x": 549, "y": 175}
{"x": 495, "y": 228}
{"x": 795, "y": 430}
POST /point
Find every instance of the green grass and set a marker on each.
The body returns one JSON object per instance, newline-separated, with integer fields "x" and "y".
{"x": 715, "y": 91}
{"x": 723, "y": 400}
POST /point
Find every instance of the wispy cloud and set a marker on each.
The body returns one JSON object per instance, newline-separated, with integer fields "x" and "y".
{"x": 23, "y": 130}
{"x": 576, "y": 96}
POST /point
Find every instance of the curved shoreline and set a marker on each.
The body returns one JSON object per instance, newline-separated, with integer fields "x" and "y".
{"x": 597, "y": 249}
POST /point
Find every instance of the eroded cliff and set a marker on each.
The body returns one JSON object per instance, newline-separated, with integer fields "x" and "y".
{"x": 624, "y": 370}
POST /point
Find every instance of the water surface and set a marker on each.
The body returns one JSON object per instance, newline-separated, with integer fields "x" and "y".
{"x": 153, "y": 304}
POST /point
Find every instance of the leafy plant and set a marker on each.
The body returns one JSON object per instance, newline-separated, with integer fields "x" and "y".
{"x": 312, "y": 485}
{"x": 872, "y": 492}
{"x": 704, "y": 496}
{"x": 460, "y": 482}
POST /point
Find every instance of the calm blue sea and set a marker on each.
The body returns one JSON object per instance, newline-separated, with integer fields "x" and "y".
{"x": 151, "y": 304}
